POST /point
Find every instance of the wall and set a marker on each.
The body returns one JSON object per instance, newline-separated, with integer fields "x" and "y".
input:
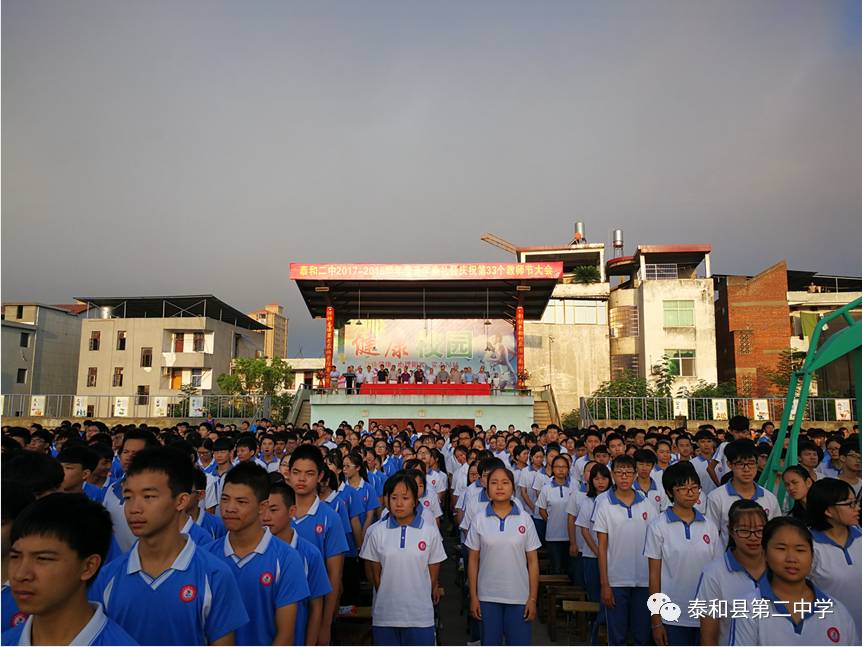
{"x": 15, "y": 357}
{"x": 57, "y": 344}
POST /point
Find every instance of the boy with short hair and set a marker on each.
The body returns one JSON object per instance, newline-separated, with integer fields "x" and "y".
{"x": 705, "y": 460}
{"x": 197, "y": 523}
{"x": 166, "y": 590}
{"x": 15, "y": 498}
{"x": 78, "y": 462}
{"x": 267, "y": 570}
{"x": 851, "y": 468}
{"x": 58, "y": 546}
{"x": 644, "y": 483}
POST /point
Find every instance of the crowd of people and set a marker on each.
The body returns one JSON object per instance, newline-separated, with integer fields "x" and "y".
{"x": 353, "y": 377}
{"x": 258, "y": 533}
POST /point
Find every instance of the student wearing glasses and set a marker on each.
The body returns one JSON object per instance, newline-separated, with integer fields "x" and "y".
{"x": 833, "y": 514}
{"x": 741, "y": 456}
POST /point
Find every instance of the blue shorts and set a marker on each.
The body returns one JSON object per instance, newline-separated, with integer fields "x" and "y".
{"x": 403, "y": 635}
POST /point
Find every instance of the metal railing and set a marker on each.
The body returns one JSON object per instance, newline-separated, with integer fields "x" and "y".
{"x": 134, "y": 406}
{"x": 756, "y": 409}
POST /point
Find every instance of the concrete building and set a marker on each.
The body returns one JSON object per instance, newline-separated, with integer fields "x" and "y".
{"x": 39, "y": 349}
{"x": 142, "y": 347}
{"x": 304, "y": 370}
{"x": 759, "y": 317}
{"x": 275, "y": 337}
{"x": 663, "y": 306}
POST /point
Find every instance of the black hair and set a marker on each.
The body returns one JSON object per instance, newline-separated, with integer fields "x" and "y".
{"x": 330, "y": 478}
{"x": 102, "y": 451}
{"x": 601, "y": 449}
{"x": 739, "y": 509}
{"x": 823, "y": 494}
{"x": 14, "y": 497}
{"x": 808, "y": 446}
{"x": 223, "y": 444}
{"x": 799, "y": 471}
{"x": 200, "y": 479}
{"x": 487, "y": 464}
{"x": 20, "y": 432}
{"x": 166, "y": 460}
{"x": 562, "y": 457}
{"x": 849, "y": 445}
{"x": 285, "y": 491}
{"x": 147, "y": 437}
{"x": 79, "y": 455}
{"x": 405, "y": 478}
{"x": 356, "y": 458}
{"x": 491, "y": 469}
{"x": 40, "y": 473}
{"x": 252, "y": 475}
{"x": 740, "y": 450}
{"x": 738, "y": 423}
{"x": 645, "y": 456}
{"x": 414, "y": 464}
{"x": 308, "y": 453}
{"x": 598, "y": 470}
{"x": 622, "y": 460}
{"x": 82, "y": 524}
{"x": 248, "y": 441}
{"x": 677, "y": 475}
{"x": 774, "y": 525}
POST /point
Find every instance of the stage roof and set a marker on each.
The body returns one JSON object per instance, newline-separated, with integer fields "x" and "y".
{"x": 198, "y": 305}
{"x": 426, "y": 291}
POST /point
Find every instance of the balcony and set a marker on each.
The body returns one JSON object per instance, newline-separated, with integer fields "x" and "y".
{"x": 186, "y": 360}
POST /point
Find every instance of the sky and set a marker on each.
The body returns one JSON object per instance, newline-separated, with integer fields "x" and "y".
{"x": 200, "y": 147}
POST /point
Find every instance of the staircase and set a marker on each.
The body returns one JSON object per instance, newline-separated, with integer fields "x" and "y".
{"x": 304, "y": 415}
{"x": 542, "y": 413}
{"x": 300, "y": 410}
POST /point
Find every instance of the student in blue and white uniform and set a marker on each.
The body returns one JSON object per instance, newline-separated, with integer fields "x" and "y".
{"x": 592, "y": 439}
{"x": 706, "y": 444}
{"x": 362, "y": 501}
{"x": 133, "y": 442}
{"x": 598, "y": 481}
{"x": 529, "y": 494}
{"x": 427, "y": 499}
{"x": 552, "y": 503}
{"x": 223, "y": 459}
{"x": 78, "y": 462}
{"x": 503, "y": 570}
{"x": 734, "y": 574}
{"x": 404, "y": 554}
{"x": 679, "y": 542}
{"x": 648, "y": 484}
{"x": 788, "y": 592}
{"x": 165, "y": 576}
{"x": 833, "y": 514}
{"x": 742, "y": 458}
{"x": 205, "y": 456}
{"x": 268, "y": 571}
{"x": 52, "y": 593}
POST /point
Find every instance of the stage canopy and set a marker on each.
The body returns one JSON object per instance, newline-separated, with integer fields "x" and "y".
{"x": 426, "y": 291}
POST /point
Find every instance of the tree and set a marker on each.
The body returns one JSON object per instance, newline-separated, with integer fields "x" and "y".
{"x": 788, "y": 361}
{"x": 586, "y": 274}
{"x": 258, "y": 376}
{"x": 665, "y": 373}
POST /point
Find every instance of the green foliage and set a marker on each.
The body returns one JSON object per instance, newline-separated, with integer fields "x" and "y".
{"x": 706, "y": 390}
{"x": 255, "y": 376}
{"x": 280, "y": 405}
{"x": 571, "y": 420}
{"x": 788, "y": 361}
{"x": 664, "y": 372}
{"x": 586, "y": 274}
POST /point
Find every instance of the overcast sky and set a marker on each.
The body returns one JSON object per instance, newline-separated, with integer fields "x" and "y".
{"x": 199, "y": 147}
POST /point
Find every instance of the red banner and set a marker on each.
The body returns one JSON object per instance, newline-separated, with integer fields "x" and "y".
{"x": 425, "y": 271}
{"x": 330, "y": 339}
{"x": 425, "y": 389}
{"x": 519, "y": 342}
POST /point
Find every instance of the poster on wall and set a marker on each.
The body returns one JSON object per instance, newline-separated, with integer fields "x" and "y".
{"x": 37, "y": 406}
{"x": 719, "y": 409}
{"x": 843, "y": 410}
{"x": 121, "y": 406}
{"x": 160, "y": 407}
{"x": 761, "y": 409}
{"x": 196, "y": 406}
{"x": 409, "y": 344}
{"x": 80, "y": 408}
{"x": 680, "y": 407}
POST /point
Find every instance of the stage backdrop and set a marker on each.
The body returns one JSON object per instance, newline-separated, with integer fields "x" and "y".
{"x": 412, "y": 343}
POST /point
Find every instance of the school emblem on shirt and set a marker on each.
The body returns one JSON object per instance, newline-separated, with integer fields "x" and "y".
{"x": 433, "y": 482}
{"x": 706, "y": 539}
{"x": 319, "y": 529}
{"x": 658, "y": 498}
{"x": 422, "y": 545}
{"x": 645, "y": 515}
{"x": 522, "y": 529}
{"x": 266, "y": 578}
{"x": 17, "y": 619}
{"x": 188, "y": 593}
{"x": 833, "y": 634}
{"x": 426, "y": 503}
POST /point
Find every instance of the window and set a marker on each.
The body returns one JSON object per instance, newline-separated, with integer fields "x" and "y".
{"x": 621, "y": 364}
{"x": 198, "y": 342}
{"x": 589, "y": 312}
{"x": 25, "y": 340}
{"x": 143, "y": 394}
{"x": 745, "y": 342}
{"x": 678, "y": 314}
{"x": 179, "y": 341}
{"x": 19, "y": 312}
{"x": 681, "y": 362}
{"x": 22, "y": 376}
{"x": 118, "y": 376}
{"x": 196, "y": 377}
{"x": 92, "y": 372}
{"x": 659, "y": 271}
{"x": 147, "y": 357}
{"x": 95, "y": 338}
{"x": 624, "y": 322}
{"x": 121, "y": 340}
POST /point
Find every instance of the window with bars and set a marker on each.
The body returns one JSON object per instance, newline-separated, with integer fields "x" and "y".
{"x": 121, "y": 340}
{"x": 118, "y": 376}
{"x": 678, "y": 314}
{"x": 198, "y": 342}
{"x": 624, "y": 321}
{"x": 682, "y": 362}
{"x": 662, "y": 271}
{"x": 143, "y": 394}
{"x": 147, "y": 356}
{"x": 196, "y": 377}
{"x": 95, "y": 339}
{"x": 92, "y": 373}
{"x": 621, "y": 364}
{"x": 744, "y": 342}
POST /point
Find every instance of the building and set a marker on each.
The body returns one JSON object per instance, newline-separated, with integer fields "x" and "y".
{"x": 141, "y": 347}
{"x": 40, "y": 346}
{"x": 759, "y": 318}
{"x": 305, "y": 371}
{"x": 663, "y": 306}
{"x": 275, "y": 337}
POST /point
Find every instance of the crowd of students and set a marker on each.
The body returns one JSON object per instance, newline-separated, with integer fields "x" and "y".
{"x": 353, "y": 377}
{"x": 256, "y": 534}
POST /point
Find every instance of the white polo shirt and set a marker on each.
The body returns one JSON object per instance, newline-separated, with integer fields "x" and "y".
{"x": 503, "y": 545}
{"x": 700, "y": 464}
{"x": 724, "y": 578}
{"x": 404, "y": 554}
{"x": 459, "y": 480}
{"x": 432, "y": 502}
{"x": 436, "y": 481}
{"x": 585, "y": 520}
{"x": 577, "y": 499}
{"x": 684, "y": 549}
{"x": 539, "y": 480}
{"x": 114, "y": 503}
{"x": 578, "y": 467}
{"x": 655, "y": 494}
{"x": 834, "y": 628}
{"x": 719, "y": 501}
{"x": 838, "y": 569}
{"x": 554, "y": 499}
{"x": 626, "y": 530}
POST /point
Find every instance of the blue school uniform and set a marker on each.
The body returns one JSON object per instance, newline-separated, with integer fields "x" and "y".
{"x": 337, "y": 503}
{"x": 12, "y": 617}
{"x": 392, "y": 464}
{"x": 317, "y": 579}
{"x": 116, "y": 469}
{"x": 270, "y": 577}
{"x": 377, "y": 480}
{"x": 212, "y": 524}
{"x": 209, "y": 469}
{"x": 100, "y": 630}
{"x": 94, "y": 492}
{"x": 194, "y": 602}
{"x": 322, "y": 527}
{"x": 360, "y": 500}
{"x": 200, "y": 536}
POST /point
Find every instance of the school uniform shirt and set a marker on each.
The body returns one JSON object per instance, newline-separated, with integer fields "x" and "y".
{"x": 116, "y": 469}
{"x": 100, "y": 630}
{"x": 315, "y": 576}
{"x": 503, "y": 545}
{"x": 474, "y": 507}
{"x": 459, "y": 480}
{"x": 200, "y": 536}
{"x": 209, "y": 469}
{"x": 554, "y": 499}
{"x": 835, "y": 627}
{"x": 194, "y": 602}
{"x": 655, "y": 494}
{"x": 94, "y": 492}
{"x": 577, "y": 498}
{"x": 683, "y": 549}
{"x": 391, "y": 465}
{"x": 270, "y": 466}
{"x": 420, "y": 510}
{"x": 578, "y": 467}
{"x": 504, "y": 456}
{"x": 404, "y": 554}
{"x": 337, "y": 503}
{"x": 322, "y": 527}
{"x": 12, "y": 616}
{"x": 585, "y": 520}
{"x": 538, "y": 481}
{"x": 432, "y": 502}
{"x": 269, "y": 577}
{"x": 358, "y": 501}
{"x": 625, "y": 527}
{"x": 114, "y": 503}
{"x": 377, "y": 481}
{"x": 718, "y": 504}
{"x": 215, "y": 485}
{"x": 212, "y": 524}
{"x": 700, "y": 465}
{"x": 838, "y": 569}
{"x": 436, "y": 481}
{"x": 724, "y": 578}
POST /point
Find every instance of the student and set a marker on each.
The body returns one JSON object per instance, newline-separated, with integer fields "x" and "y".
{"x": 742, "y": 458}
{"x": 679, "y": 543}
{"x": 831, "y": 464}
{"x": 15, "y": 498}
{"x": 318, "y": 524}
{"x": 809, "y": 458}
{"x": 404, "y": 554}
{"x": 733, "y": 575}
{"x": 833, "y": 514}
{"x": 223, "y": 459}
{"x": 791, "y": 600}
{"x": 205, "y": 456}
{"x": 851, "y": 467}
{"x": 427, "y": 499}
{"x": 525, "y": 486}
{"x": 598, "y": 481}
{"x": 620, "y": 520}
{"x": 58, "y": 546}
{"x": 503, "y": 570}
{"x": 199, "y": 524}
{"x": 361, "y": 502}
{"x": 552, "y": 503}
{"x": 592, "y": 439}
{"x": 797, "y": 483}
{"x": 268, "y": 571}
{"x": 166, "y": 590}
{"x": 706, "y": 442}
{"x": 39, "y": 473}
{"x": 652, "y": 490}
{"x": 78, "y": 462}
{"x": 101, "y": 474}
{"x": 277, "y": 514}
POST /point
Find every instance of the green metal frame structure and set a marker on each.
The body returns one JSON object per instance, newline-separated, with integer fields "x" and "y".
{"x": 844, "y": 342}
